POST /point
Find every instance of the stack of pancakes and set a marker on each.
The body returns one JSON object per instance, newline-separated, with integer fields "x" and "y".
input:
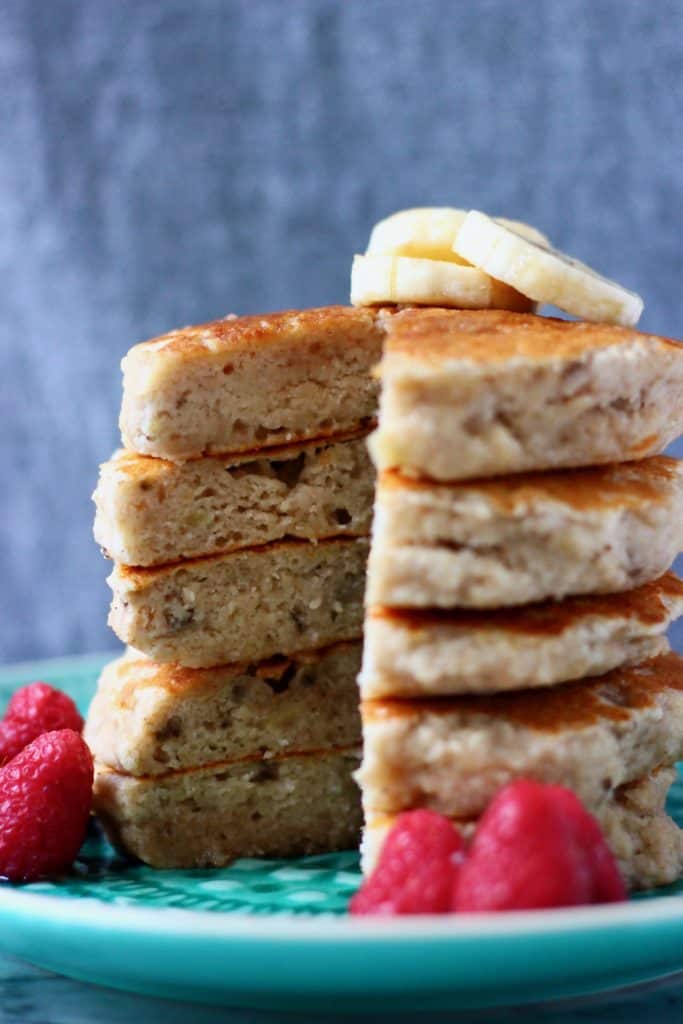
{"x": 518, "y": 586}
{"x": 237, "y": 516}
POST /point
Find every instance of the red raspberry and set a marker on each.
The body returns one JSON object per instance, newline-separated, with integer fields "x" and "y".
{"x": 536, "y": 846}
{"x": 608, "y": 884}
{"x": 45, "y": 796}
{"x": 416, "y": 870}
{"x": 33, "y": 710}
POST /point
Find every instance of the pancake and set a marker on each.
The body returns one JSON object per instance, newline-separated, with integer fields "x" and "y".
{"x": 245, "y": 383}
{"x": 646, "y": 842}
{"x": 152, "y": 511}
{"x": 454, "y": 754}
{"x": 287, "y": 806}
{"x": 150, "y": 719}
{"x": 412, "y": 653}
{"x": 243, "y": 606}
{"x": 512, "y": 540}
{"x": 488, "y": 392}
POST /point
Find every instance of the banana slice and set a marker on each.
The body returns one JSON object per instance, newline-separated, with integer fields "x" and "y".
{"x": 404, "y": 279}
{"x": 543, "y": 273}
{"x": 428, "y": 232}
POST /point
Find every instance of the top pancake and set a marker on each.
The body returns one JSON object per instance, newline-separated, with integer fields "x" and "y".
{"x": 483, "y": 393}
{"x": 466, "y": 393}
{"x": 246, "y": 383}
{"x": 430, "y": 337}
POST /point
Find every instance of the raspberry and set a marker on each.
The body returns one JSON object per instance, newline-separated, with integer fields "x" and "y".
{"x": 608, "y": 885}
{"x": 45, "y": 796}
{"x": 33, "y": 710}
{"x": 536, "y": 846}
{"x": 416, "y": 870}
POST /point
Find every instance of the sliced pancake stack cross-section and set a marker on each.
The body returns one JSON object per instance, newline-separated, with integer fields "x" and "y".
{"x": 237, "y": 516}
{"x": 519, "y": 591}
{"x": 199, "y": 766}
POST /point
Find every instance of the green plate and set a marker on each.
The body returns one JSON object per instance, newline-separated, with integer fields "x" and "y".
{"x": 273, "y": 934}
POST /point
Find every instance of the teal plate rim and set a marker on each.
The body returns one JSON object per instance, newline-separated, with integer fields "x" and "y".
{"x": 331, "y": 926}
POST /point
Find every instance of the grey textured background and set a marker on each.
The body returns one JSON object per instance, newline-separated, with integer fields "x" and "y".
{"x": 165, "y": 161}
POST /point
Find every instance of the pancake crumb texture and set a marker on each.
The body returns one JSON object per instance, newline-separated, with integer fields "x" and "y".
{"x": 454, "y": 754}
{"x": 413, "y": 654}
{"x": 151, "y": 511}
{"x": 243, "y": 606}
{"x": 647, "y": 843}
{"x": 151, "y": 719}
{"x": 240, "y": 384}
{"x": 513, "y": 540}
{"x": 282, "y": 807}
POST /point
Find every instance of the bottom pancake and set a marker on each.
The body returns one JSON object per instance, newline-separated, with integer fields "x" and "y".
{"x": 646, "y": 842}
{"x": 278, "y": 807}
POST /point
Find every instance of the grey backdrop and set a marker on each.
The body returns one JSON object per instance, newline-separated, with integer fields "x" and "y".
{"x": 167, "y": 161}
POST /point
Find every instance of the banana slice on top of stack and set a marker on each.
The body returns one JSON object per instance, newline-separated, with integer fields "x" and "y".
{"x": 440, "y": 256}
